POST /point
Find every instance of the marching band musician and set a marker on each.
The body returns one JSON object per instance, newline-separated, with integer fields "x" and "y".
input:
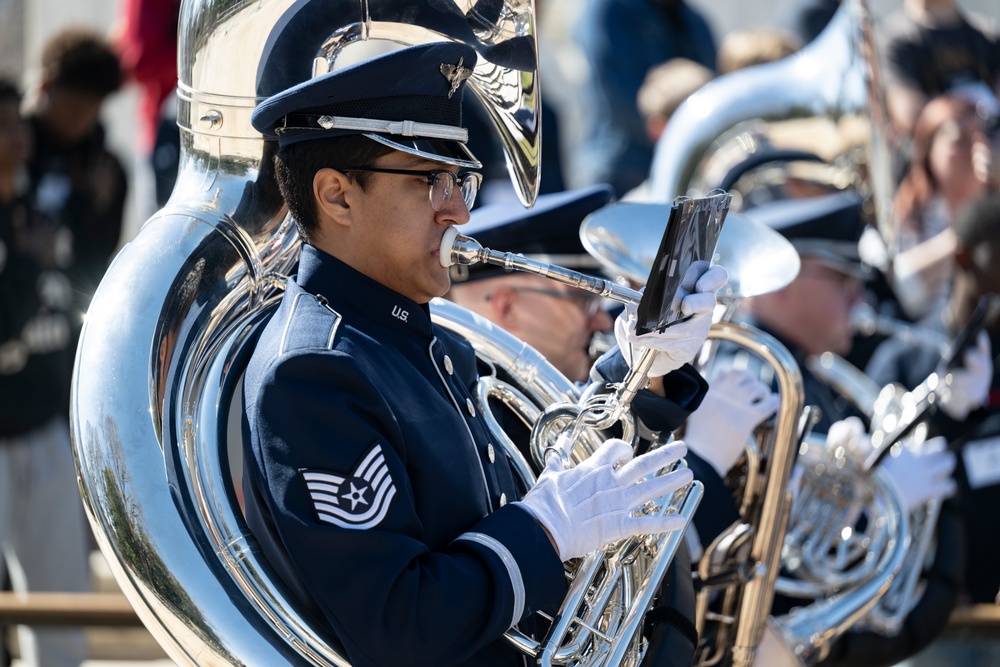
{"x": 371, "y": 482}
{"x": 970, "y": 415}
{"x": 810, "y": 316}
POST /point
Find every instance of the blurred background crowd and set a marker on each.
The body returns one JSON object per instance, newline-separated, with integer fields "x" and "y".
{"x": 89, "y": 149}
{"x": 585, "y": 68}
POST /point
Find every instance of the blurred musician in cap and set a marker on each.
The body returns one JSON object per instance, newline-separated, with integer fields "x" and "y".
{"x": 555, "y": 319}
{"x": 810, "y": 316}
{"x": 371, "y": 481}
{"x": 970, "y": 416}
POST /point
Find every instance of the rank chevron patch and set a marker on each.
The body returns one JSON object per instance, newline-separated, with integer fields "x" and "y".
{"x": 358, "y": 500}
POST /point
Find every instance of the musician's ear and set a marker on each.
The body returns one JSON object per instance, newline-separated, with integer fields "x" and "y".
{"x": 502, "y": 305}
{"x": 963, "y": 258}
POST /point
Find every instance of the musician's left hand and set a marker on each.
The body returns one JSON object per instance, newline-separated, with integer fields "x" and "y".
{"x": 677, "y": 344}
{"x": 735, "y": 404}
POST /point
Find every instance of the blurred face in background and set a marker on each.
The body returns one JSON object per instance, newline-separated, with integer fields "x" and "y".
{"x": 555, "y": 319}
{"x": 814, "y": 310}
{"x": 70, "y": 115}
{"x": 14, "y": 143}
{"x": 953, "y": 153}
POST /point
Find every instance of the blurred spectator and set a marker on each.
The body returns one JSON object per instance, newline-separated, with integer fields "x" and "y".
{"x": 950, "y": 168}
{"x": 146, "y": 41}
{"x": 74, "y": 178}
{"x": 665, "y": 87}
{"x": 43, "y": 536}
{"x": 807, "y": 18}
{"x": 931, "y": 47}
{"x": 755, "y": 46}
{"x": 621, "y": 40}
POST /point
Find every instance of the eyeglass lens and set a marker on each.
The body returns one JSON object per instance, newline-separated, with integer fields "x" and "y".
{"x": 444, "y": 184}
{"x": 590, "y": 304}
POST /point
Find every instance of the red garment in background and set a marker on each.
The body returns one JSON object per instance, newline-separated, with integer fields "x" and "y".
{"x": 147, "y": 45}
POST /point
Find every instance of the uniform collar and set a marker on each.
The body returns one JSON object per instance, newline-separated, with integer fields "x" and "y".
{"x": 348, "y": 290}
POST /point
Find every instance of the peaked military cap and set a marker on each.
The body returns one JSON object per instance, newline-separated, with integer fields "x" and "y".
{"x": 410, "y": 100}
{"x": 827, "y": 227}
{"x": 548, "y": 232}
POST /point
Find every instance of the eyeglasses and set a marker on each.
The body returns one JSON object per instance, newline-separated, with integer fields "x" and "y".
{"x": 845, "y": 281}
{"x": 442, "y": 183}
{"x": 589, "y": 303}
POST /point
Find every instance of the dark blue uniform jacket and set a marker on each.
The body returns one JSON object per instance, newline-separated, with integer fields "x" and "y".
{"x": 372, "y": 482}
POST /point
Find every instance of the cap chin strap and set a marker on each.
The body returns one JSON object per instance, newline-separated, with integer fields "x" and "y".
{"x": 404, "y": 128}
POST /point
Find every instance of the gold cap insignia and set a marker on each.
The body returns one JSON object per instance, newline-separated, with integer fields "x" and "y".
{"x": 455, "y": 74}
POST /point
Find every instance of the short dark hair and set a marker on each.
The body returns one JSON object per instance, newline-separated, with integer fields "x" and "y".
{"x": 296, "y": 165}
{"x": 82, "y": 60}
{"x": 979, "y": 222}
{"x": 9, "y": 92}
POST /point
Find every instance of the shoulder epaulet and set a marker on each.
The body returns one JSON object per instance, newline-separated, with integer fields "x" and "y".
{"x": 310, "y": 323}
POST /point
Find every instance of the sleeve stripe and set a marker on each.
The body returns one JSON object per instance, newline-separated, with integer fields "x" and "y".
{"x": 513, "y": 571}
{"x": 336, "y": 480}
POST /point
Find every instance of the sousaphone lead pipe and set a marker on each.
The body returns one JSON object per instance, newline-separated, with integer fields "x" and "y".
{"x": 457, "y": 248}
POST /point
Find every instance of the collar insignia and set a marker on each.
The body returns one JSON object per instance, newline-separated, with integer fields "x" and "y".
{"x": 455, "y": 74}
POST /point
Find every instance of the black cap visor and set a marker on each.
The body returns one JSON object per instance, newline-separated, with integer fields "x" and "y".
{"x": 446, "y": 151}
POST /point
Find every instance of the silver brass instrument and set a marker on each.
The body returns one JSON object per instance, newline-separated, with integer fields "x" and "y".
{"x": 600, "y": 621}
{"x": 898, "y": 420}
{"x": 739, "y": 571}
{"x": 171, "y": 326}
{"x": 827, "y": 99}
{"x": 867, "y": 322}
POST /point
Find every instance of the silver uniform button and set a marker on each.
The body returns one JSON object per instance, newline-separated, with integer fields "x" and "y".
{"x": 448, "y": 366}
{"x": 471, "y": 407}
{"x": 490, "y": 453}
{"x": 503, "y": 499}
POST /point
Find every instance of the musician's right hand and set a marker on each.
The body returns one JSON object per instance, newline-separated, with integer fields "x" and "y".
{"x": 969, "y": 385}
{"x": 922, "y": 472}
{"x": 588, "y": 506}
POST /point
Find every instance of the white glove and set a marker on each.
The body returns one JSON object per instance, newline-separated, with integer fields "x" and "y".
{"x": 773, "y": 652}
{"x": 922, "y": 472}
{"x": 678, "y": 343}
{"x": 735, "y": 404}
{"x": 588, "y": 506}
{"x": 850, "y": 434}
{"x": 970, "y": 384}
